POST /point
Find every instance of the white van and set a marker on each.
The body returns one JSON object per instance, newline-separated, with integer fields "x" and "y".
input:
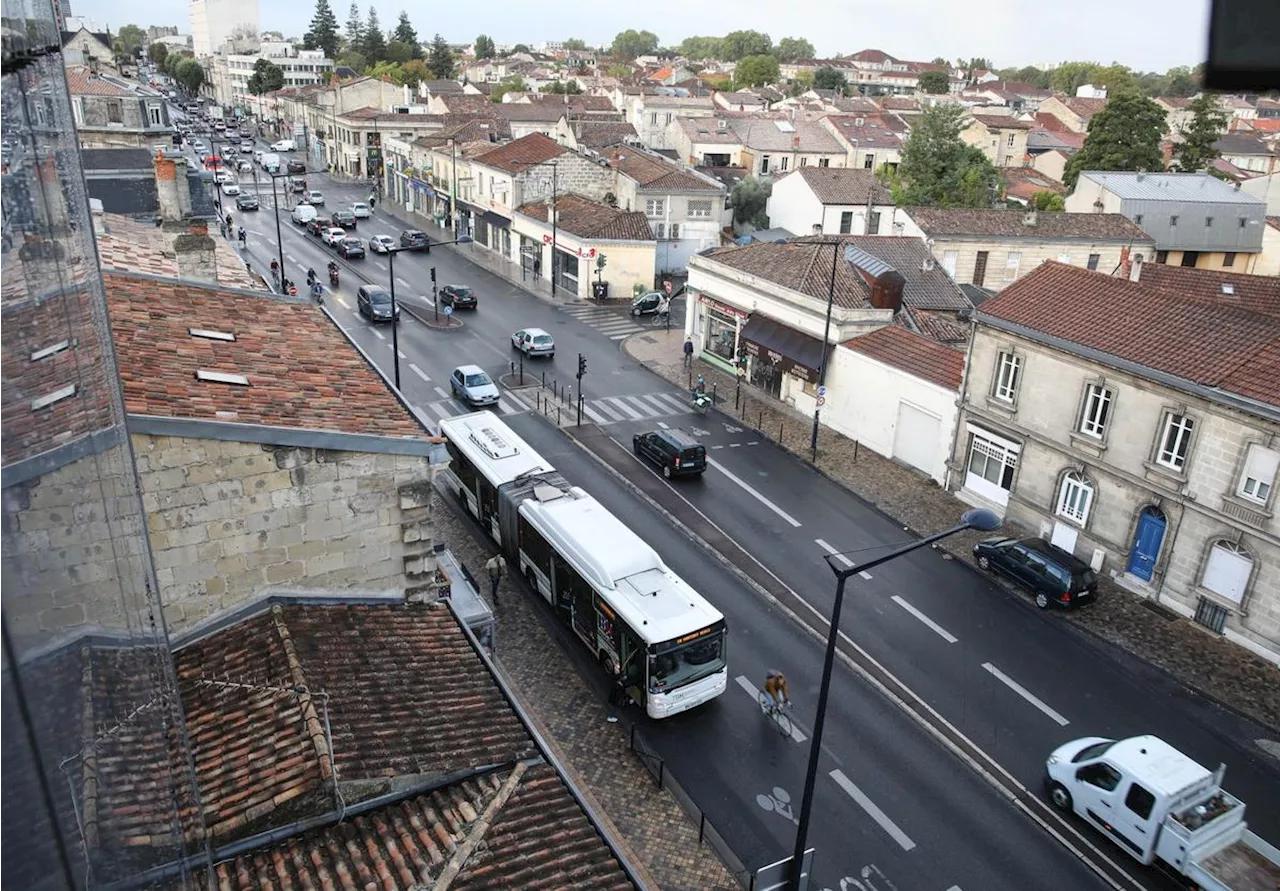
{"x": 270, "y": 162}
{"x": 258, "y": 155}
{"x": 283, "y": 145}
{"x": 303, "y": 214}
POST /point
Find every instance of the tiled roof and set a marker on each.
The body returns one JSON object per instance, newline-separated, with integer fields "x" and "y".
{"x": 874, "y": 131}
{"x": 769, "y": 136}
{"x": 1223, "y": 347}
{"x": 873, "y": 56}
{"x": 303, "y": 373}
{"x": 1258, "y": 293}
{"x": 708, "y": 130}
{"x": 1085, "y": 108}
{"x": 1024, "y": 182}
{"x": 941, "y": 222}
{"x": 1001, "y": 122}
{"x": 913, "y": 353}
{"x": 844, "y": 185}
{"x": 1016, "y": 88}
{"x": 655, "y": 172}
{"x": 130, "y": 246}
{"x": 82, "y": 82}
{"x": 474, "y": 130}
{"x": 899, "y": 103}
{"x": 520, "y": 154}
{"x": 1242, "y": 144}
{"x": 1046, "y": 140}
{"x": 598, "y": 134}
{"x": 530, "y": 112}
{"x": 589, "y": 219}
{"x": 1050, "y": 122}
{"x": 447, "y": 87}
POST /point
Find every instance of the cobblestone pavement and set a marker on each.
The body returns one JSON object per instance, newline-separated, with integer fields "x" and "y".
{"x": 1195, "y": 657}
{"x": 572, "y": 717}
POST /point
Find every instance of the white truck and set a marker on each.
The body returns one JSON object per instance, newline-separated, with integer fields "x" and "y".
{"x": 1157, "y": 803}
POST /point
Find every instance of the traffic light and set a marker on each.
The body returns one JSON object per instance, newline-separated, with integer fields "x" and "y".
{"x": 582, "y": 365}
{"x": 433, "y": 275}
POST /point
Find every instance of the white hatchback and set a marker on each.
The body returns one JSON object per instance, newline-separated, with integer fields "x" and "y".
{"x": 333, "y": 236}
{"x": 382, "y": 244}
{"x": 360, "y": 210}
{"x": 534, "y": 342}
{"x": 230, "y": 189}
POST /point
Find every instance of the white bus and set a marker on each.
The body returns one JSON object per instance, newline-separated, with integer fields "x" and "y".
{"x": 639, "y": 619}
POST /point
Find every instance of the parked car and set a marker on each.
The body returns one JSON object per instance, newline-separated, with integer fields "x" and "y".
{"x": 1050, "y": 573}
{"x": 360, "y": 210}
{"x": 375, "y": 303}
{"x": 333, "y": 235}
{"x": 646, "y": 303}
{"x": 415, "y": 239}
{"x": 458, "y": 296}
{"x": 230, "y": 189}
{"x": 350, "y": 248}
{"x": 318, "y": 226}
{"x": 303, "y": 214}
{"x": 674, "y": 452}
{"x": 296, "y": 166}
{"x": 534, "y": 342}
{"x": 470, "y": 384}
{"x": 382, "y": 244}
{"x": 246, "y": 202}
{"x": 344, "y": 218}
{"x": 316, "y": 197}
{"x": 258, "y": 155}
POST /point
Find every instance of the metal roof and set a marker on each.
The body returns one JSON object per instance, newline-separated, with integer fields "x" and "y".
{"x": 1171, "y": 187}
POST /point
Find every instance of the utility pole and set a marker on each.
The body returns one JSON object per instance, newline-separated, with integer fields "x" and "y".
{"x": 554, "y": 223}
{"x": 582, "y": 369}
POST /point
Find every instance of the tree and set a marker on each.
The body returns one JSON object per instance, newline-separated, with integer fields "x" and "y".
{"x": 398, "y": 52}
{"x": 415, "y": 70}
{"x": 513, "y": 84}
{"x": 1209, "y": 122}
{"x": 939, "y": 169}
{"x": 189, "y": 74}
{"x": 790, "y": 49}
{"x": 484, "y": 47}
{"x": 1071, "y": 76}
{"x": 739, "y": 44}
{"x": 938, "y": 60}
{"x": 404, "y": 33}
{"x": 267, "y": 77}
{"x": 700, "y": 47}
{"x": 131, "y": 38}
{"x": 801, "y": 83}
{"x": 1181, "y": 82}
{"x": 935, "y": 82}
{"x": 1123, "y": 136}
{"x": 1116, "y": 78}
{"x": 353, "y": 59}
{"x": 524, "y": 48}
{"x": 631, "y": 43}
{"x": 830, "y": 79}
{"x": 756, "y": 71}
{"x": 324, "y": 30}
{"x": 355, "y": 28}
{"x": 374, "y": 44}
{"x": 575, "y": 45}
{"x": 1030, "y": 74}
{"x": 440, "y": 59}
{"x": 157, "y": 53}
{"x": 1047, "y": 201}
{"x": 749, "y": 199}
{"x": 563, "y": 88}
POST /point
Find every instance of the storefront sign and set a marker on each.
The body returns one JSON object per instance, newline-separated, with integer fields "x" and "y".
{"x": 724, "y": 308}
{"x": 784, "y": 364}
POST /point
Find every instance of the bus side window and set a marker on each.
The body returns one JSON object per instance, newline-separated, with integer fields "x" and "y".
{"x": 632, "y": 652}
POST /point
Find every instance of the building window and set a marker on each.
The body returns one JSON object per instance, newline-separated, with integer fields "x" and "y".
{"x": 764, "y": 164}
{"x": 1008, "y": 368}
{"x": 949, "y": 262}
{"x": 782, "y": 164}
{"x": 846, "y": 222}
{"x": 1227, "y": 570}
{"x": 1208, "y": 222}
{"x": 77, "y": 110}
{"x": 1173, "y": 221}
{"x": 1175, "y": 441}
{"x": 1093, "y": 261}
{"x": 990, "y": 468}
{"x": 824, "y": 162}
{"x": 1010, "y": 140}
{"x": 115, "y": 111}
{"x": 869, "y": 162}
{"x": 1075, "y": 497}
{"x": 1097, "y": 410}
{"x": 1162, "y": 257}
{"x": 1259, "y": 474}
{"x": 1244, "y": 221}
{"x": 1228, "y": 259}
{"x": 1137, "y": 219}
{"x": 699, "y": 210}
{"x": 873, "y": 223}
{"x": 1190, "y": 259}
{"x": 1011, "y": 265}
{"x": 804, "y": 160}
{"x": 655, "y": 207}
{"x": 154, "y": 115}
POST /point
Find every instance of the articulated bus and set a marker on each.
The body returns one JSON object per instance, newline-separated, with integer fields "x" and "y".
{"x": 638, "y": 617}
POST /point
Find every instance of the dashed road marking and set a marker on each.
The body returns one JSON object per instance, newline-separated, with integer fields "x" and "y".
{"x": 1024, "y": 693}
{"x": 929, "y": 623}
{"x": 872, "y": 810}
{"x": 419, "y": 372}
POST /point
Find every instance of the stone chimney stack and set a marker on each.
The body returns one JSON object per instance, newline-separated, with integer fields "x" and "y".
{"x": 195, "y": 254}
{"x": 1136, "y": 272}
{"x": 1125, "y": 263}
{"x": 96, "y": 213}
{"x": 171, "y": 189}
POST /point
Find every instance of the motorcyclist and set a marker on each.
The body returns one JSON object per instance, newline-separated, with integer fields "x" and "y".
{"x": 311, "y": 277}
{"x": 317, "y": 291}
{"x": 333, "y": 272}
{"x": 275, "y": 270}
{"x": 229, "y": 222}
{"x": 242, "y": 235}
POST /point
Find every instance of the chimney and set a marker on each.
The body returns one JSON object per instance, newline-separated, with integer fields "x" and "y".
{"x": 1029, "y": 218}
{"x": 1136, "y": 272}
{"x": 886, "y": 290}
{"x": 195, "y": 254}
{"x": 171, "y": 189}
{"x": 95, "y": 213}
{"x": 1125, "y": 264}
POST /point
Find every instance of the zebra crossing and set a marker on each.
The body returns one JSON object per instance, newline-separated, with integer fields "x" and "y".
{"x": 610, "y": 323}
{"x": 432, "y": 413}
{"x": 611, "y": 409}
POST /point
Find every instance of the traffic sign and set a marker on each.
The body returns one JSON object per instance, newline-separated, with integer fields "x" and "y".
{"x": 822, "y": 391}
{"x": 667, "y": 286}
{"x": 448, "y": 310}
{"x": 822, "y": 400}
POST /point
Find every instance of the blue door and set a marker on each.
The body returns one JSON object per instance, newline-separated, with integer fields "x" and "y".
{"x": 1146, "y": 544}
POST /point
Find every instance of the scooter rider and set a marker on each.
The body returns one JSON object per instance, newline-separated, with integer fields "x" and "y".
{"x": 333, "y": 273}
{"x": 311, "y": 277}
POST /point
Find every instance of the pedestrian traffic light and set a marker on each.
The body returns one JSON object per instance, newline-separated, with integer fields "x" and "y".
{"x": 433, "y": 274}
{"x": 582, "y": 365}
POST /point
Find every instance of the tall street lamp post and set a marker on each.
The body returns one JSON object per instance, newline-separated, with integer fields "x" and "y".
{"x": 978, "y": 518}
{"x": 275, "y": 203}
{"x": 395, "y": 312}
{"x": 826, "y": 350}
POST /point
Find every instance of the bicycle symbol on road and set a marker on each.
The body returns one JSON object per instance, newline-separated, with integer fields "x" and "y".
{"x": 779, "y": 802}
{"x": 868, "y": 872}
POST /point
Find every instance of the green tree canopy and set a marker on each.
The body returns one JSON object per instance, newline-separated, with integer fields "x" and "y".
{"x": 1116, "y": 78}
{"x": 354, "y": 59}
{"x": 267, "y": 77}
{"x": 355, "y": 27}
{"x": 789, "y": 49}
{"x": 398, "y": 52}
{"x": 440, "y": 59}
{"x": 513, "y": 84}
{"x": 631, "y": 43}
{"x": 405, "y": 33}
{"x": 520, "y": 48}
{"x": 801, "y": 83}
{"x": 1208, "y": 123}
{"x": 484, "y": 48}
{"x": 132, "y": 38}
{"x": 939, "y": 169}
{"x": 1123, "y": 136}
{"x": 935, "y": 82}
{"x": 563, "y": 87}
{"x": 700, "y": 47}
{"x": 938, "y": 60}
{"x": 749, "y": 199}
{"x": 739, "y": 44}
{"x": 189, "y": 74}
{"x": 575, "y": 45}
{"x": 1071, "y": 76}
{"x": 1048, "y": 201}
{"x": 830, "y": 79}
{"x": 157, "y": 53}
{"x": 1182, "y": 82}
{"x": 324, "y": 30}
{"x": 756, "y": 71}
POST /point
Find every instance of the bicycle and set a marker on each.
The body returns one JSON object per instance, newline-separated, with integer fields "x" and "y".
{"x": 659, "y": 319}
{"x": 776, "y": 713}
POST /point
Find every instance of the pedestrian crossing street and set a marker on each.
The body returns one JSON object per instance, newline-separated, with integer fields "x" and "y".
{"x": 611, "y": 409}
{"x": 611, "y": 323}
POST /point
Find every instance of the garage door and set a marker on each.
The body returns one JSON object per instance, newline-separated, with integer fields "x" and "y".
{"x": 918, "y": 438}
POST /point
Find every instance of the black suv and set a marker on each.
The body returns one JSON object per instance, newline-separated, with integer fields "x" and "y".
{"x": 246, "y": 202}
{"x": 415, "y": 240}
{"x": 1050, "y": 573}
{"x": 296, "y": 167}
{"x": 351, "y": 247}
{"x": 678, "y": 454}
{"x": 458, "y": 296}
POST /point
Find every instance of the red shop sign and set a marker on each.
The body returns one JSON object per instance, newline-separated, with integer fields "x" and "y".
{"x": 720, "y": 307}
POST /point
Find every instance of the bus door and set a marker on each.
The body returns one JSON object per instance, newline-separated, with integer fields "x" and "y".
{"x": 584, "y": 610}
{"x": 489, "y": 511}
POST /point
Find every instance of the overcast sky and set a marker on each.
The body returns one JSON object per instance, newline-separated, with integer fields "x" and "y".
{"x": 1143, "y": 34}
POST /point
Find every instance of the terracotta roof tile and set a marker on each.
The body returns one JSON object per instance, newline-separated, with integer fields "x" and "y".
{"x": 303, "y": 373}
{"x": 1001, "y": 122}
{"x": 83, "y": 82}
{"x": 1085, "y": 108}
{"x": 1258, "y": 293}
{"x": 844, "y": 185}
{"x": 913, "y": 353}
{"x": 1223, "y": 347}
{"x": 1025, "y": 182}
{"x": 520, "y": 154}
{"x": 653, "y": 171}
{"x": 589, "y": 219}
{"x": 961, "y": 222}
{"x": 599, "y": 134}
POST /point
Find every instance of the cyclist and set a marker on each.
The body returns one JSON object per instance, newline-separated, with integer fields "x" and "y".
{"x": 243, "y": 236}
{"x": 775, "y": 684}
{"x": 229, "y": 229}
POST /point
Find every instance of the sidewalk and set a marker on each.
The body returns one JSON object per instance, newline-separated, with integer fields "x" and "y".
{"x": 660, "y": 838}
{"x": 1196, "y": 658}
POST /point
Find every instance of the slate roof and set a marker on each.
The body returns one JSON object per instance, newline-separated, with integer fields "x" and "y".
{"x": 130, "y": 246}
{"x": 519, "y": 155}
{"x": 302, "y": 371}
{"x": 598, "y": 134}
{"x": 444, "y": 87}
{"x": 844, "y": 185}
{"x": 1257, "y": 293}
{"x": 655, "y": 173}
{"x": 588, "y": 219}
{"x": 708, "y": 130}
{"x": 1190, "y": 187}
{"x": 941, "y": 222}
{"x": 915, "y": 354}
{"x": 1241, "y": 144}
{"x": 1228, "y": 348}
{"x": 1001, "y": 122}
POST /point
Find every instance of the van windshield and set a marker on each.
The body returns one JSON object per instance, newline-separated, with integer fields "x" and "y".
{"x": 1097, "y": 750}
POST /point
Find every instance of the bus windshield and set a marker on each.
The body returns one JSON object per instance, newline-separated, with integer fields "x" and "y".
{"x": 673, "y": 665}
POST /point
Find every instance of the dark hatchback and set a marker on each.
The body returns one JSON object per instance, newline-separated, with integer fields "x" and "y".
{"x": 351, "y": 247}
{"x": 675, "y": 453}
{"x": 344, "y": 218}
{"x": 296, "y": 167}
{"x": 1052, "y": 575}
{"x": 415, "y": 240}
{"x": 458, "y": 296}
{"x": 375, "y": 303}
{"x": 317, "y": 226}
{"x": 246, "y": 202}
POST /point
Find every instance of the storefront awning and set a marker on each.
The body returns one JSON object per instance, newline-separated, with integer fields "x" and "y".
{"x": 497, "y": 220}
{"x": 789, "y": 349}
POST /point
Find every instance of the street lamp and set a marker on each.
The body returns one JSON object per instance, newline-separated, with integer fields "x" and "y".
{"x": 395, "y": 315}
{"x": 275, "y": 204}
{"x": 977, "y": 518}
{"x": 826, "y": 335}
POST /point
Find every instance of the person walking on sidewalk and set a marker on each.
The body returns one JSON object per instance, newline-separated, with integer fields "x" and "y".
{"x": 688, "y": 352}
{"x": 495, "y": 568}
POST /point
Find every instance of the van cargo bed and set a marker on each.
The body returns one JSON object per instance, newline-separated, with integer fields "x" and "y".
{"x": 1241, "y": 867}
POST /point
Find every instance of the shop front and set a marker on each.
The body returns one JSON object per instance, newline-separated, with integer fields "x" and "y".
{"x": 566, "y": 271}
{"x": 780, "y": 360}
{"x": 717, "y": 326}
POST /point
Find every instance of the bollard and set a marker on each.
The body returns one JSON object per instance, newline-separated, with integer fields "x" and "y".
{"x": 557, "y": 414}
{"x": 544, "y": 379}
{"x": 781, "y": 424}
{"x": 760, "y": 421}
{"x": 713, "y": 394}
{"x": 522, "y": 369}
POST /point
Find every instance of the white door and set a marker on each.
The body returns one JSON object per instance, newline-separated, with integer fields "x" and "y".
{"x": 1226, "y": 573}
{"x": 1064, "y": 536}
{"x": 918, "y": 438}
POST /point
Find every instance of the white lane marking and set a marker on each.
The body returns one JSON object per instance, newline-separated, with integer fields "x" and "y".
{"x": 754, "y": 692}
{"x": 645, "y": 409}
{"x": 929, "y": 623}
{"x": 874, "y": 812}
{"x": 608, "y": 410}
{"x": 1025, "y": 693}
{"x": 344, "y": 303}
{"x": 663, "y": 426}
{"x": 501, "y": 409}
{"x": 419, "y": 372}
{"x": 619, "y": 336}
{"x": 402, "y": 355}
{"x": 676, "y": 404}
{"x": 378, "y": 334}
{"x": 624, "y": 407}
{"x": 443, "y": 394}
{"x": 954, "y": 888}
{"x": 865, "y": 574}
{"x": 592, "y": 414}
{"x": 832, "y": 551}
{"x": 653, "y": 400}
{"x": 754, "y": 494}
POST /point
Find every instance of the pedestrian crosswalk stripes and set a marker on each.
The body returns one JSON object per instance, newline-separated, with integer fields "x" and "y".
{"x": 608, "y": 322}
{"x": 612, "y": 409}
{"x": 433, "y": 412}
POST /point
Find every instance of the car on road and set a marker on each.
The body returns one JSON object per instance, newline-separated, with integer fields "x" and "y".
{"x": 246, "y": 202}
{"x": 375, "y": 303}
{"x": 246, "y": 133}
{"x": 382, "y": 244}
{"x": 245, "y": 167}
{"x": 1052, "y": 575}
{"x": 415, "y": 239}
{"x": 470, "y": 384}
{"x": 350, "y": 248}
{"x": 282, "y": 145}
{"x": 223, "y": 176}
{"x": 333, "y": 235}
{"x": 258, "y": 155}
{"x": 646, "y": 303}
{"x": 199, "y": 146}
{"x": 675, "y": 452}
{"x": 534, "y": 342}
{"x": 458, "y": 296}
{"x": 296, "y": 166}
{"x": 298, "y": 186}
{"x": 318, "y": 226}
{"x": 230, "y": 189}
{"x": 247, "y": 147}
{"x": 360, "y": 210}
{"x": 303, "y": 214}
{"x": 344, "y": 218}
{"x": 315, "y": 197}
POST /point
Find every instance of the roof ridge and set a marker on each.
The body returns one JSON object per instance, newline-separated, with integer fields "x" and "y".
{"x": 315, "y": 728}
